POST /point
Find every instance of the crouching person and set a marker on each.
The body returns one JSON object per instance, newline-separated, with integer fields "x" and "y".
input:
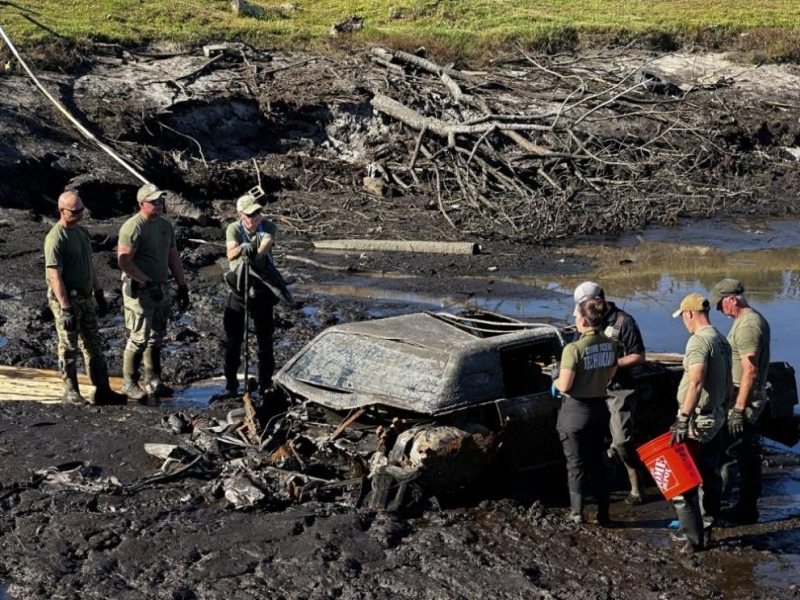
{"x": 76, "y": 298}
{"x": 587, "y": 365}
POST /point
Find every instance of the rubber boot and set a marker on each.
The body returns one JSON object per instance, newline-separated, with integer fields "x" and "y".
{"x": 130, "y": 376}
{"x": 72, "y": 394}
{"x": 576, "y": 508}
{"x": 152, "y": 374}
{"x": 633, "y": 466}
{"x": 603, "y": 517}
{"x": 691, "y": 523}
{"x": 103, "y": 395}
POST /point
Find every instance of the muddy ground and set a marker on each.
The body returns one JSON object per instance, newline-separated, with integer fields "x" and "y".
{"x": 305, "y": 122}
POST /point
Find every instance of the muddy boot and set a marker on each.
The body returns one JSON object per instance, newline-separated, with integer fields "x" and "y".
{"x": 633, "y": 466}
{"x": 576, "y": 508}
{"x": 742, "y": 513}
{"x": 130, "y": 376}
{"x": 152, "y": 374}
{"x": 72, "y": 394}
{"x": 131, "y": 390}
{"x": 103, "y": 395}
{"x": 603, "y": 517}
{"x": 691, "y": 535}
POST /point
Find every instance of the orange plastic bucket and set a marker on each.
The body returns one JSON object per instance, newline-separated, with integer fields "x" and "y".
{"x": 672, "y": 468}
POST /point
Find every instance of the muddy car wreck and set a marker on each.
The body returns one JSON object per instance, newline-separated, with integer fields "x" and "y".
{"x": 447, "y": 399}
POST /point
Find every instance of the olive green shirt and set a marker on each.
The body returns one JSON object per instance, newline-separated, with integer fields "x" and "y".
{"x": 750, "y": 334}
{"x": 591, "y": 359}
{"x": 236, "y": 233}
{"x": 151, "y": 240}
{"x": 707, "y": 346}
{"x": 71, "y": 250}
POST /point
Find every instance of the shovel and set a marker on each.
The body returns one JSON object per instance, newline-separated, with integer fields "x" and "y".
{"x": 250, "y": 411}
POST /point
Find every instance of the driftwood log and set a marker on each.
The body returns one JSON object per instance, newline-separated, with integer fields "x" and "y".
{"x": 399, "y": 246}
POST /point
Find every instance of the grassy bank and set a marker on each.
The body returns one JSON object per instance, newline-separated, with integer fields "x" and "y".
{"x": 477, "y": 29}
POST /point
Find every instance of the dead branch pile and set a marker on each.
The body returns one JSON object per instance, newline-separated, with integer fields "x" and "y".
{"x": 550, "y": 146}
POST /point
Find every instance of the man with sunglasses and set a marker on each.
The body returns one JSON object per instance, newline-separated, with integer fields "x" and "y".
{"x": 749, "y": 338}
{"x": 147, "y": 254}
{"x": 76, "y": 298}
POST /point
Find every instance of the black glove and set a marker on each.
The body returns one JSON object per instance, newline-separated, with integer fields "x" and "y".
{"x": 247, "y": 251}
{"x": 183, "y": 298}
{"x": 154, "y": 291}
{"x": 102, "y": 305}
{"x": 69, "y": 321}
{"x": 736, "y": 422}
{"x": 679, "y": 429}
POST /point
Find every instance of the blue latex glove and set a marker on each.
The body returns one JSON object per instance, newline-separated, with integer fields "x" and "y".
{"x": 554, "y": 391}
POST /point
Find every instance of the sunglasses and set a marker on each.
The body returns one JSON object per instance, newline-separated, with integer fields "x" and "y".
{"x": 156, "y": 202}
{"x": 75, "y": 211}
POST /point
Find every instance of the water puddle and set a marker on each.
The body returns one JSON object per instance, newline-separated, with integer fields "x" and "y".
{"x": 3, "y": 341}
{"x": 4, "y": 591}
{"x": 195, "y": 396}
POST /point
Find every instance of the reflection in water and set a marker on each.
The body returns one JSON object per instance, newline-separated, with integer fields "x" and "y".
{"x": 195, "y": 396}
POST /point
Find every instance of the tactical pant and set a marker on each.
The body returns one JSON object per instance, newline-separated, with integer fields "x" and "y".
{"x": 701, "y": 504}
{"x": 582, "y": 425}
{"x": 234, "y": 323}
{"x": 86, "y": 338}
{"x": 746, "y": 452}
{"x": 146, "y": 322}
{"x": 621, "y": 404}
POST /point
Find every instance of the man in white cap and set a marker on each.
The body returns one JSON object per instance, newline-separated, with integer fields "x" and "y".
{"x": 622, "y": 328}
{"x": 702, "y": 393}
{"x": 250, "y": 238}
{"x": 749, "y": 338}
{"x": 147, "y": 254}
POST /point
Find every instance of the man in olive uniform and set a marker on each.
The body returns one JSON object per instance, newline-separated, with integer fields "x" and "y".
{"x": 76, "y": 298}
{"x": 702, "y": 393}
{"x": 147, "y": 254}
{"x": 249, "y": 238}
{"x": 749, "y": 338}
{"x": 622, "y": 328}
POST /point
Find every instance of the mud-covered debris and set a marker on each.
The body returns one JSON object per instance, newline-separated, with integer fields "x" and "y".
{"x": 245, "y": 9}
{"x": 165, "y": 451}
{"x": 351, "y": 24}
{"x": 177, "y": 423}
{"x": 78, "y": 476}
{"x": 241, "y": 492}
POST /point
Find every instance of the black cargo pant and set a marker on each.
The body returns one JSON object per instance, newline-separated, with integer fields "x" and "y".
{"x": 746, "y": 452}
{"x": 234, "y": 323}
{"x": 582, "y": 426}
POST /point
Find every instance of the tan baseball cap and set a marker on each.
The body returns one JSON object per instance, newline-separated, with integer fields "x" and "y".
{"x": 248, "y": 205}
{"x": 149, "y": 192}
{"x": 692, "y": 302}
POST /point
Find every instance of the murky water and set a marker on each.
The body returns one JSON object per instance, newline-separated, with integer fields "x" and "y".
{"x": 4, "y": 591}
{"x": 3, "y": 341}
{"x": 196, "y": 396}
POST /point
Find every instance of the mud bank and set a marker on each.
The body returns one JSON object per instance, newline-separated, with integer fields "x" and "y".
{"x": 307, "y": 123}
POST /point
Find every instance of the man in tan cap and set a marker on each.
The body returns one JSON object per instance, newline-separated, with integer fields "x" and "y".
{"x": 147, "y": 255}
{"x": 250, "y": 238}
{"x": 749, "y": 338}
{"x": 702, "y": 393}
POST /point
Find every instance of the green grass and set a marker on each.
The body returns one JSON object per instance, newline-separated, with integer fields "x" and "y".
{"x": 476, "y": 29}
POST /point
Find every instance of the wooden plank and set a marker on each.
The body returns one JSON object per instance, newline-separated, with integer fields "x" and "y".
{"x": 39, "y": 385}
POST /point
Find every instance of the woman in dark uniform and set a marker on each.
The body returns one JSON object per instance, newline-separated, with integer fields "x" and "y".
{"x": 586, "y": 367}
